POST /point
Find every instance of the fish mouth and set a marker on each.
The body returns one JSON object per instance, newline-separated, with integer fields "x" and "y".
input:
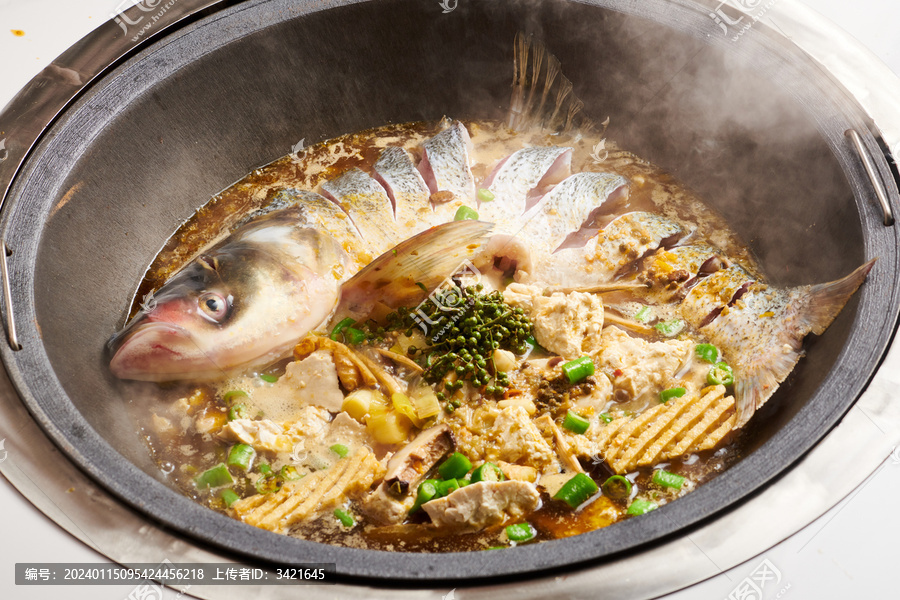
{"x": 152, "y": 351}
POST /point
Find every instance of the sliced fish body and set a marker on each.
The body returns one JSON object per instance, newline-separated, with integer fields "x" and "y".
{"x": 763, "y": 332}
{"x": 521, "y": 179}
{"x": 397, "y": 173}
{"x": 446, "y": 163}
{"x": 712, "y": 294}
{"x": 368, "y": 205}
{"x": 674, "y": 271}
{"x": 625, "y": 240}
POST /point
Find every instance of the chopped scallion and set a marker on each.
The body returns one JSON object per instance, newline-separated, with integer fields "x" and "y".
{"x": 265, "y": 469}
{"x": 666, "y": 479}
{"x": 520, "y": 532}
{"x": 640, "y": 507}
{"x": 464, "y": 213}
{"x": 675, "y": 392}
{"x": 344, "y": 517}
{"x": 576, "y": 490}
{"x": 670, "y": 328}
{"x": 644, "y": 315}
{"x": 455, "y": 467}
{"x": 340, "y": 449}
{"x": 229, "y": 497}
{"x": 575, "y": 422}
{"x": 485, "y": 195}
{"x": 606, "y": 418}
{"x": 579, "y": 369}
{"x": 617, "y": 488}
{"x": 269, "y": 378}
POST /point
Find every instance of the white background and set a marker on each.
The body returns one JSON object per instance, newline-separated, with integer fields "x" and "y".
{"x": 848, "y": 553}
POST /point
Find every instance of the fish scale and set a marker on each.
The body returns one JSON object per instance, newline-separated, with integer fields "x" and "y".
{"x": 407, "y": 190}
{"x": 446, "y": 165}
{"x": 518, "y": 176}
{"x": 367, "y": 204}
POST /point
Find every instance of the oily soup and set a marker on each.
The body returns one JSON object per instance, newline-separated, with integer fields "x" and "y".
{"x": 575, "y": 366}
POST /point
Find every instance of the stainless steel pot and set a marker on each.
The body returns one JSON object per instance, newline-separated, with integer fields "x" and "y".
{"x": 754, "y": 125}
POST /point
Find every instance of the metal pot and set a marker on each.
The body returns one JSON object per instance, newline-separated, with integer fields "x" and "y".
{"x": 772, "y": 141}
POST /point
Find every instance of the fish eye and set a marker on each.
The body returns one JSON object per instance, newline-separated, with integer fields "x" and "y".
{"x": 213, "y": 306}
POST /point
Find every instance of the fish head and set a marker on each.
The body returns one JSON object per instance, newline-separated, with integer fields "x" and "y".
{"x": 243, "y": 304}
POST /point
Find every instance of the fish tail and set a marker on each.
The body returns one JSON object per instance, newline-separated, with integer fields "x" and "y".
{"x": 541, "y": 94}
{"x": 826, "y": 300}
{"x": 810, "y": 309}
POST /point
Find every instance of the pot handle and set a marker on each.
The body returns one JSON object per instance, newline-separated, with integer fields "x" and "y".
{"x": 31, "y": 112}
{"x": 873, "y": 176}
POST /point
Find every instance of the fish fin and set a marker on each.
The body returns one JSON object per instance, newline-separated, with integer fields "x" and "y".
{"x": 414, "y": 267}
{"x": 811, "y": 310}
{"x": 541, "y": 95}
{"x": 827, "y": 299}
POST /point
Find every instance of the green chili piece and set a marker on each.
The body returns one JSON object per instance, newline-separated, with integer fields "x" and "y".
{"x": 576, "y": 423}
{"x": 487, "y": 472}
{"x": 354, "y": 336}
{"x": 579, "y": 369}
{"x": 267, "y": 485}
{"x": 340, "y": 327}
{"x": 290, "y": 473}
{"x": 576, "y": 490}
{"x": 241, "y": 456}
{"x": 455, "y": 467}
{"x": 720, "y": 374}
{"x": 606, "y": 418}
{"x": 675, "y": 392}
{"x": 666, "y": 479}
{"x": 617, "y": 487}
{"x": 447, "y": 487}
{"x": 268, "y": 377}
{"x": 216, "y": 477}
{"x": 265, "y": 469}
{"x": 232, "y": 395}
{"x": 238, "y": 411}
{"x": 520, "y": 532}
{"x": 428, "y": 490}
{"x": 464, "y": 213}
{"x": 639, "y": 507}
{"x": 707, "y": 353}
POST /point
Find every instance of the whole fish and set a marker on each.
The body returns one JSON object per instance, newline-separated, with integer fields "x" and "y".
{"x": 246, "y": 301}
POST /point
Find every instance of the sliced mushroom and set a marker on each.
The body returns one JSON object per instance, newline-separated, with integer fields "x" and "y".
{"x": 391, "y": 500}
{"x": 546, "y": 424}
